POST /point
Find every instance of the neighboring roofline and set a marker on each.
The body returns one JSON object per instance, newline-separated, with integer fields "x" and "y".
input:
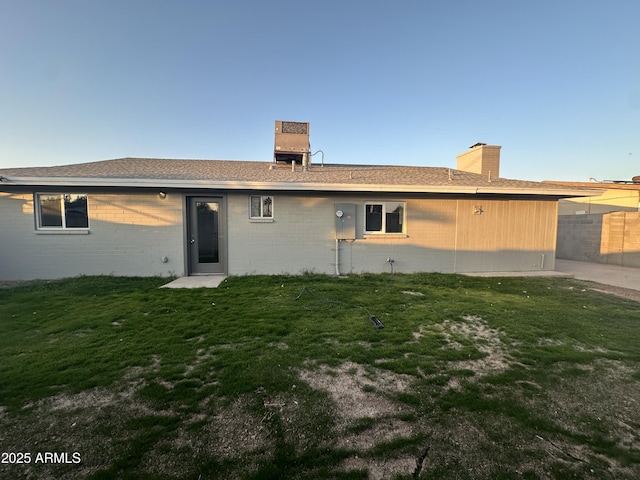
{"x": 598, "y": 185}
{"x": 80, "y": 182}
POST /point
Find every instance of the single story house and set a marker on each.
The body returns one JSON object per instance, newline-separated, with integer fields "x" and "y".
{"x": 145, "y": 216}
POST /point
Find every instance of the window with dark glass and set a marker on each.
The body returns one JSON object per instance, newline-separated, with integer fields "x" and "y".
{"x": 61, "y": 210}
{"x": 384, "y": 217}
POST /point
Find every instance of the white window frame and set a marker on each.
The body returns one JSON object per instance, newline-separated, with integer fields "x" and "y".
{"x": 386, "y": 205}
{"x": 264, "y": 215}
{"x": 63, "y": 213}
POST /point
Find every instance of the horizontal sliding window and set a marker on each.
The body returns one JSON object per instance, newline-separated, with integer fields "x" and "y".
{"x": 61, "y": 211}
{"x": 261, "y": 206}
{"x": 384, "y": 217}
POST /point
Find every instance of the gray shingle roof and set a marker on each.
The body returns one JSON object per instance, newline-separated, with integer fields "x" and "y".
{"x": 264, "y": 175}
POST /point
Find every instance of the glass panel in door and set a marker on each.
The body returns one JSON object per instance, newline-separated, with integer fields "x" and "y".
{"x": 208, "y": 224}
{"x": 206, "y": 255}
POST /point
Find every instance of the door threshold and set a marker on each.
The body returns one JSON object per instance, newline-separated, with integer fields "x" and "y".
{"x": 207, "y": 275}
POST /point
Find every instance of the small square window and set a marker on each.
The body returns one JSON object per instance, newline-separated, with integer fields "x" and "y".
{"x": 384, "y": 217}
{"x": 261, "y": 206}
{"x": 61, "y": 211}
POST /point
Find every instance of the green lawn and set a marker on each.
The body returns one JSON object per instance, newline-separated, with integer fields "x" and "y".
{"x": 271, "y": 377}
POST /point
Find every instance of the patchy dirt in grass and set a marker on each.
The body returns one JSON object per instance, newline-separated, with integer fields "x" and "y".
{"x": 473, "y": 329}
{"x": 411, "y": 292}
{"x": 368, "y": 416}
{"x": 380, "y": 468}
{"x": 358, "y": 392}
{"x": 479, "y": 444}
{"x": 603, "y": 401}
{"x": 231, "y": 432}
{"x": 357, "y": 408}
{"x": 86, "y": 423}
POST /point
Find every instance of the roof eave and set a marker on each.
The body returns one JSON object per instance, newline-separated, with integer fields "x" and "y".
{"x": 79, "y": 182}
{"x": 562, "y": 192}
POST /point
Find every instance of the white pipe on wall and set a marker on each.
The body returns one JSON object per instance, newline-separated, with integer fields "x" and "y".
{"x": 337, "y": 257}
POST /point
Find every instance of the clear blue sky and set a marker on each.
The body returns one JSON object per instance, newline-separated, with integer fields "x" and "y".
{"x": 555, "y": 82}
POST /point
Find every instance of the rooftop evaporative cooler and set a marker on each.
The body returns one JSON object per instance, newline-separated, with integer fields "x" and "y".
{"x": 291, "y": 142}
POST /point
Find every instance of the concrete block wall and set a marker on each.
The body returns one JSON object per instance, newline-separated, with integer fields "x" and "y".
{"x": 129, "y": 234}
{"x": 609, "y": 238}
{"x": 620, "y": 243}
{"x": 579, "y": 237}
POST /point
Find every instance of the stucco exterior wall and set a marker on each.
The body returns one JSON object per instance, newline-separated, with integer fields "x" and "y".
{"x": 611, "y": 200}
{"x": 129, "y": 233}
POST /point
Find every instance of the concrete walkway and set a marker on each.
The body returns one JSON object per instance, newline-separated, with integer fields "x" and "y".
{"x": 625, "y": 277}
{"x": 196, "y": 281}
{"x": 614, "y": 275}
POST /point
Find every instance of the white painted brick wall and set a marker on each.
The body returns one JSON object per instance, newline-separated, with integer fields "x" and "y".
{"x": 302, "y": 238}
{"x": 129, "y": 235}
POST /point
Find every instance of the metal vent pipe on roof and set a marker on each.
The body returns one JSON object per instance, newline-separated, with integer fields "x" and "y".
{"x": 321, "y": 152}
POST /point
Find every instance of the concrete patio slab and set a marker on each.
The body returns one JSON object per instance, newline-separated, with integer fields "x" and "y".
{"x": 196, "y": 281}
{"x": 624, "y": 277}
{"x": 531, "y": 273}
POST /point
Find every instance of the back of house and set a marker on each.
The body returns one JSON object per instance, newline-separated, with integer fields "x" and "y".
{"x": 146, "y": 216}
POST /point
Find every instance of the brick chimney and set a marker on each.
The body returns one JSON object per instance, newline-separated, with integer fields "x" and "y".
{"x": 481, "y": 158}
